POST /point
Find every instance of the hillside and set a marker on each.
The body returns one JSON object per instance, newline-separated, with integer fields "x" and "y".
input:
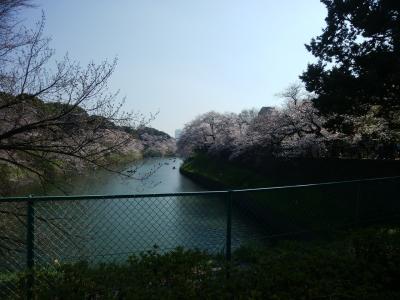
{"x": 41, "y": 140}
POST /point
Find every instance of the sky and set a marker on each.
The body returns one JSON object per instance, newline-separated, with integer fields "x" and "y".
{"x": 182, "y": 58}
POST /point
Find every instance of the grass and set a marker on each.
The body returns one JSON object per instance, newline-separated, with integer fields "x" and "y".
{"x": 223, "y": 173}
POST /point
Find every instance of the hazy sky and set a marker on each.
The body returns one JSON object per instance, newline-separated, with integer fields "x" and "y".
{"x": 186, "y": 57}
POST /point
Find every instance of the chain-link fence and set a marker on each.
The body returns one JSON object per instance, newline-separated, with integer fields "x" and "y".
{"x": 44, "y": 231}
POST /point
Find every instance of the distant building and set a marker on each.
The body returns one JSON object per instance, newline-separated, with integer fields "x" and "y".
{"x": 266, "y": 110}
{"x": 178, "y": 133}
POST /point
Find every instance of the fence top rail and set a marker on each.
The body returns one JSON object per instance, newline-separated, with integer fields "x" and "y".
{"x": 200, "y": 193}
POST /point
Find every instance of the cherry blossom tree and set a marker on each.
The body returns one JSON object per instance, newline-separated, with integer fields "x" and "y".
{"x": 294, "y": 130}
{"x": 55, "y": 111}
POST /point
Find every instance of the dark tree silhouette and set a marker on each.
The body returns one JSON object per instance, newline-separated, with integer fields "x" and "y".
{"x": 358, "y": 60}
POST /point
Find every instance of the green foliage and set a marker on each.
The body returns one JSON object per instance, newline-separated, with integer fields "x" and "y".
{"x": 355, "y": 265}
{"x": 361, "y": 266}
{"x": 358, "y": 58}
{"x": 48, "y": 108}
{"x": 149, "y": 275}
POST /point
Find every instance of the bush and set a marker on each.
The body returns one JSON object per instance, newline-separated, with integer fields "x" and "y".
{"x": 358, "y": 265}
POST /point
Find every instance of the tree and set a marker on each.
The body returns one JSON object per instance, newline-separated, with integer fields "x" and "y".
{"x": 211, "y": 132}
{"x": 294, "y": 130}
{"x": 293, "y": 93}
{"x": 358, "y": 60}
{"x": 11, "y": 36}
{"x": 60, "y": 117}
{"x": 244, "y": 119}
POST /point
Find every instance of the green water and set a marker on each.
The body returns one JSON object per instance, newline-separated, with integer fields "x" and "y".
{"x": 153, "y": 175}
{"x": 112, "y": 229}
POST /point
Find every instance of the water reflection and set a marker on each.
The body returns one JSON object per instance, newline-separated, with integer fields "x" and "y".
{"x": 111, "y": 229}
{"x": 153, "y": 175}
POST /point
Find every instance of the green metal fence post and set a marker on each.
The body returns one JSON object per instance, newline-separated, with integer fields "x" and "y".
{"x": 229, "y": 225}
{"x": 30, "y": 259}
{"x": 357, "y": 212}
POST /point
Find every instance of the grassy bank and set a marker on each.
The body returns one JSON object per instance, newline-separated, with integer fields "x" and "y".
{"x": 357, "y": 265}
{"x": 304, "y": 209}
{"x": 217, "y": 173}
